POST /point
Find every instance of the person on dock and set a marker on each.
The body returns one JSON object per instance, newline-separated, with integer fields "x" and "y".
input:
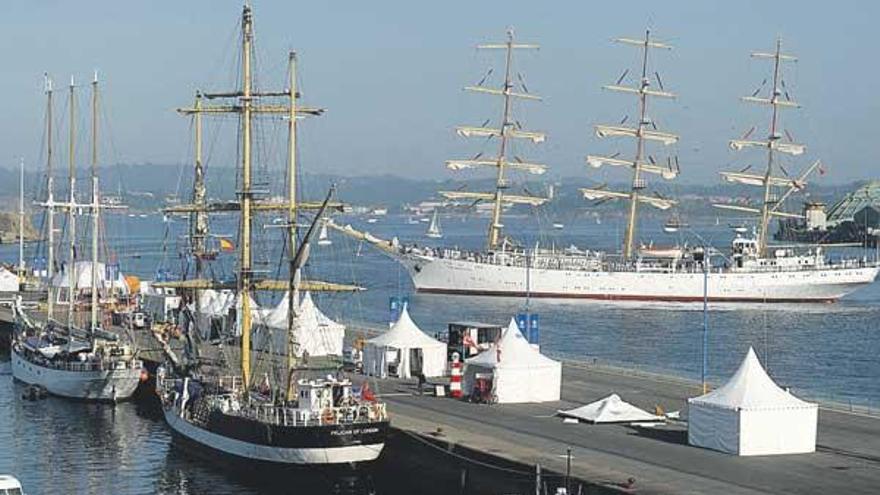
{"x": 421, "y": 377}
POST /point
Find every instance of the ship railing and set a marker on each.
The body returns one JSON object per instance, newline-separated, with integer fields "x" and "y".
{"x": 342, "y": 415}
{"x": 232, "y": 383}
{"x": 84, "y": 366}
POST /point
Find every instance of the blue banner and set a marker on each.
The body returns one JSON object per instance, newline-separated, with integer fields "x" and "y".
{"x": 111, "y": 271}
{"x": 396, "y": 305}
{"x": 534, "y": 335}
{"x": 528, "y": 326}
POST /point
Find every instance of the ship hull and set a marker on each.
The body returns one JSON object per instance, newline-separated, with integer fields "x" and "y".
{"x": 96, "y": 385}
{"x": 278, "y": 446}
{"x": 453, "y": 276}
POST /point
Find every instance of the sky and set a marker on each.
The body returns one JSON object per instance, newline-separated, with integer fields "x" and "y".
{"x": 391, "y": 75}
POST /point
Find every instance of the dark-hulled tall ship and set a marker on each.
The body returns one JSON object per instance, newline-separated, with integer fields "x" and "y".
{"x": 289, "y": 421}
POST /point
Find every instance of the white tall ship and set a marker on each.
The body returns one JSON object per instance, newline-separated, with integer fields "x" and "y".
{"x": 67, "y": 359}
{"x": 751, "y": 271}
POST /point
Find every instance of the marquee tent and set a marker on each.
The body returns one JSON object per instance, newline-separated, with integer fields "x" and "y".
{"x": 8, "y": 280}
{"x": 520, "y": 373}
{"x": 751, "y": 415}
{"x": 611, "y": 409}
{"x": 407, "y": 349}
{"x": 83, "y": 280}
{"x": 316, "y": 333}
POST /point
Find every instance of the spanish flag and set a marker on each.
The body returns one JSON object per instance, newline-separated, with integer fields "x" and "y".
{"x": 226, "y": 245}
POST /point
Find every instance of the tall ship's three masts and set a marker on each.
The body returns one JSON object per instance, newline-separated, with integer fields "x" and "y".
{"x": 66, "y": 359}
{"x": 749, "y": 272}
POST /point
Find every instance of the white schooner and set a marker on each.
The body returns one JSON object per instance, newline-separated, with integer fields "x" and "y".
{"x": 751, "y": 271}
{"x": 68, "y": 359}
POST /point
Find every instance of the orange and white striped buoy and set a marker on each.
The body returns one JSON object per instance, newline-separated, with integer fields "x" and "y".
{"x": 455, "y": 377}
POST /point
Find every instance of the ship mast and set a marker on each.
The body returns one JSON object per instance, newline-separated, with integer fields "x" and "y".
{"x": 50, "y": 204}
{"x": 21, "y": 270}
{"x": 509, "y": 128}
{"x": 778, "y": 98}
{"x": 641, "y": 133}
{"x": 245, "y": 105}
{"x": 245, "y": 260}
{"x": 292, "y": 295}
{"x": 95, "y": 207}
{"x": 71, "y": 209}
{"x": 198, "y": 218}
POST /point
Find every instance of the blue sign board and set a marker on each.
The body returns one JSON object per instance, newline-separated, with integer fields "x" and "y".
{"x": 396, "y": 305}
{"x": 528, "y": 326}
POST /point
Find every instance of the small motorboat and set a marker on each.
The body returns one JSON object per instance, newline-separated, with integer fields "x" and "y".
{"x": 10, "y": 485}
{"x": 558, "y": 226}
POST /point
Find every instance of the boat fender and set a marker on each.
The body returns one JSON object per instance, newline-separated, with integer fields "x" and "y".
{"x": 327, "y": 416}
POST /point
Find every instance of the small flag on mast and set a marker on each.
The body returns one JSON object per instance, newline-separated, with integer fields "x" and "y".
{"x": 226, "y": 245}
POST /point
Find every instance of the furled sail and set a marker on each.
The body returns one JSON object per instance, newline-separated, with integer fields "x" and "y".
{"x": 748, "y": 209}
{"x": 532, "y": 168}
{"x": 667, "y": 173}
{"x": 656, "y": 202}
{"x": 649, "y": 92}
{"x": 758, "y": 180}
{"x": 787, "y": 148}
{"x": 484, "y": 196}
{"x": 611, "y": 131}
{"x": 767, "y": 101}
{"x": 501, "y": 92}
{"x": 535, "y": 137}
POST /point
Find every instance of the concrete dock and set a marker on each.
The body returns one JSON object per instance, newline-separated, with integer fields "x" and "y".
{"x": 847, "y": 459}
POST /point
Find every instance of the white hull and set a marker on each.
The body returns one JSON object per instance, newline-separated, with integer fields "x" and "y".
{"x": 97, "y": 385}
{"x": 278, "y": 455}
{"x": 455, "y": 276}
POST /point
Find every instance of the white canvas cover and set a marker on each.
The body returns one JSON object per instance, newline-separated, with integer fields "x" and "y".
{"x": 8, "y": 280}
{"x": 398, "y": 344}
{"x": 611, "y": 409}
{"x": 751, "y": 415}
{"x": 83, "y": 278}
{"x": 316, "y": 333}
{"x": 520, "y": 372}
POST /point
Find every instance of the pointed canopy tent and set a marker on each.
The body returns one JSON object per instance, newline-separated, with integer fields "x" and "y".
{"x": 8, "y": 280}
{"x": 611, "y": 409}
{"x": 405, "y": 344}
{"x": 520, "y": 373}
{"x": 316, "y": 333}
{"x": 83, "y": 280}
{"x": 751, "y": 415}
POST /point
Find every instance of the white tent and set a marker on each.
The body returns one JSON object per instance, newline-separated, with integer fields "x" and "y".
{"x": 316, "y": 333}
{"x": 83, "y": 279}
{"x": 404, "y": 345}
{"x": 751, "y": 415}
{"x": 611, "y": 409}
{"x": 520, "y": 373}
{"x": 8, "y": 280}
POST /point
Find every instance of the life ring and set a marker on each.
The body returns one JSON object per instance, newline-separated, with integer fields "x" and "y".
{"x": 363, "y": 413}
{"x": 327, "y": 416}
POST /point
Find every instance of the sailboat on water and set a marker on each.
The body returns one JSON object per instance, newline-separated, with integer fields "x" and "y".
{"x": 434, "y": 231}
{"x": 751, "y": 271}
{"x": 288, "y": 421}
{"x": 67, "y": 359}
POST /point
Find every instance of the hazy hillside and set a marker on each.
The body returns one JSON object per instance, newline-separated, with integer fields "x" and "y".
{"x": 146, "y": 186}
